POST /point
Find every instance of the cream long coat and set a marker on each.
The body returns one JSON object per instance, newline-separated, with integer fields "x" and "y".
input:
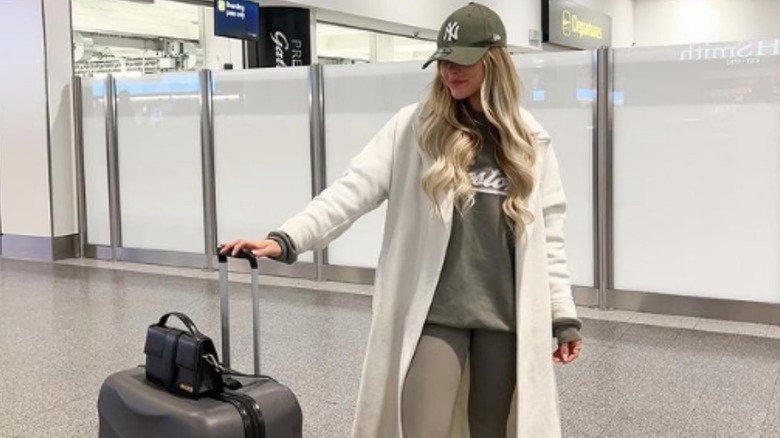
{"x": 413, "y": 251}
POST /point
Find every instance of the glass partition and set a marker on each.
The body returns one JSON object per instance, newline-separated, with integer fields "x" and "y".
{"x": 697, "y": 170}
{"x": 262, "y": 150}
{"x": 560, "y": 92}
{"x": 359, "y": 100}
{"x": 696, "y": 165}
{"x": 93, "y": 106}
{"x": 160, "y": 162}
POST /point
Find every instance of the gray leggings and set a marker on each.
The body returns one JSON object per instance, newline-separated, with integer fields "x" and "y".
{"x": 434, "y": 376}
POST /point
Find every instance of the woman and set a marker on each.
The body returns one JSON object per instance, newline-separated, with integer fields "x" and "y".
{"x": 472, "y": 279}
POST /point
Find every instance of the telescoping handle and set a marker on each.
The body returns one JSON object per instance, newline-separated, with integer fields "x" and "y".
{"x": 225, "y": 308}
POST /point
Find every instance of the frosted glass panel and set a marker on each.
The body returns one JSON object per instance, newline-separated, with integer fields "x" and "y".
{"x": 559, "y": 90}
{"x": 160, "y": 162}
{"x": 262, "y": 150}
{"x": 697, "y": 170}
{"x": 93, "y": 104}
{"x": 359, "y": 100}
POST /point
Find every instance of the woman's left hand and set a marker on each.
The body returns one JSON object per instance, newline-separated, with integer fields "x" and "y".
{"x": 567, "y": 353}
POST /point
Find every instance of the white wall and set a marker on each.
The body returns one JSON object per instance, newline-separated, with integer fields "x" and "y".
{"x": 24, "y": 172}
{"x": 408, "y": 16}
{"x": 62, "y": 151}
{"x": 667, "y": 22}
{"x": 37, "y": 165}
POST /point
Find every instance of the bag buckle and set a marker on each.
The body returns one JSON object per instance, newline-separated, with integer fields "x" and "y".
{"x": 212, "y": 360}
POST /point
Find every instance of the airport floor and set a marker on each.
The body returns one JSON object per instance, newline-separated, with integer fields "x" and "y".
{"x": 64, "y": 327}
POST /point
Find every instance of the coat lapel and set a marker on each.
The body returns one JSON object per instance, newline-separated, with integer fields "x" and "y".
{"x": 533, "y": 198}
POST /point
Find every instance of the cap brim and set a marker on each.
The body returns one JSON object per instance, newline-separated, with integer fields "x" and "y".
{"x": 458, "y": 55}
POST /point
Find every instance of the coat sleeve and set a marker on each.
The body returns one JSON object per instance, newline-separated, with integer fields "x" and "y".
{"x": 364, "y": 186}
{"x": 554, "y": 210}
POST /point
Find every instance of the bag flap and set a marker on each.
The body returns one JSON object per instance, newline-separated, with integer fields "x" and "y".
{"x": 155, "y": 340}
{"x": 191, "y": 350}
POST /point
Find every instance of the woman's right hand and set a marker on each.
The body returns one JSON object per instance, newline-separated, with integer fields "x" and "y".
{"x": 260, "y": 248}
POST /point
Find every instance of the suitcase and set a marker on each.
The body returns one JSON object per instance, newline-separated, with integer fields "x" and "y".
{"x": 130, "y": 407}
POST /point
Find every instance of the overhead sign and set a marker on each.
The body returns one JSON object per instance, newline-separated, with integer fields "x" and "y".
{"x": 571, "y": 24}
{"x": 285, "y": 40}
{"x": 237, "y": 19}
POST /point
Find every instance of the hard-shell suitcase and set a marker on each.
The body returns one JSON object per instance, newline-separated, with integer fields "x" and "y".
{"x": 130, "y": 407}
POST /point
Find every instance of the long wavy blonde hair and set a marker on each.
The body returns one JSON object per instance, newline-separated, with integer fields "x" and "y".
{"x": 449, "y": 138}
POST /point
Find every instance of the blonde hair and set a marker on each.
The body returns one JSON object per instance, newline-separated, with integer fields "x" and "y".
{"x": 449, "y": 138}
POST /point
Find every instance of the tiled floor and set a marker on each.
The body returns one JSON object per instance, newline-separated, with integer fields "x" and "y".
{"x": 64, "y": 327}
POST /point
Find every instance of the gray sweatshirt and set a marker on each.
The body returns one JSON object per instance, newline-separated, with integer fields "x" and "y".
{"x": 476, "y": 286}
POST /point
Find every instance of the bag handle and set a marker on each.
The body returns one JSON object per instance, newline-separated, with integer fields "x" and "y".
{"x": 183, "y": 318}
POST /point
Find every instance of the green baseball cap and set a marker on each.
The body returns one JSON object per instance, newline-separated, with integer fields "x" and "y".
{"x": 467, "y": 34}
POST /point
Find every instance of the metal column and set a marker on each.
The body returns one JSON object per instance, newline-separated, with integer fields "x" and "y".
{"x": 209, "y": 181}
{"x": 604, "y": 107}
{"x": 112, "y": 145}
{"x": 317, "y": 129}
{"x": 81, "y": 196}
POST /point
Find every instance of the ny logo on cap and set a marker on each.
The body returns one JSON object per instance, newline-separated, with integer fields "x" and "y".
{"x": 451, "y": 31}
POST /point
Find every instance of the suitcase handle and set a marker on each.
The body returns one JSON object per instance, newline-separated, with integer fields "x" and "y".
{"x": 225, "y": 308}
{"x": 243, "y": 254}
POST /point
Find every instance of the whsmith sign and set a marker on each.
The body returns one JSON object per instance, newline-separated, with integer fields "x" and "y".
{"x": 571, "y": 24}
{"x": 751, "y": 51}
